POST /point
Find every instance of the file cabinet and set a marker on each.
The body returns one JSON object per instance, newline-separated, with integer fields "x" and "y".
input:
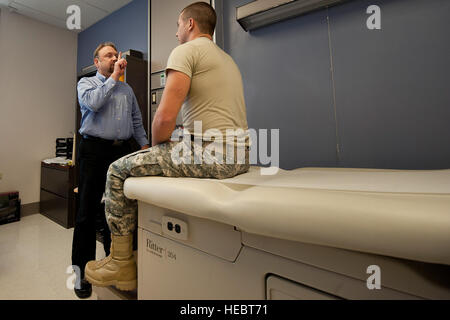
{"x": 57, "y": 199}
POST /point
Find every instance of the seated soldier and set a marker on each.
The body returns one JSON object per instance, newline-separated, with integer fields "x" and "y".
{"x": 206, "y": 85}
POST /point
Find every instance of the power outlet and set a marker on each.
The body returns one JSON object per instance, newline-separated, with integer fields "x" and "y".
{"x": 174, "y": 228}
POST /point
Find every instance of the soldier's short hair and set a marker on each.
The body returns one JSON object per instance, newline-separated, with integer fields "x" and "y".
{"x": 203, "y": 14}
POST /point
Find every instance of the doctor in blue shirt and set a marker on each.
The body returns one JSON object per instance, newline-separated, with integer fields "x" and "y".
{"x": 110, "y": 117}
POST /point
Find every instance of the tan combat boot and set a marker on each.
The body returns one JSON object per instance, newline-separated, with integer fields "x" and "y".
{"x": 117, "y": 269}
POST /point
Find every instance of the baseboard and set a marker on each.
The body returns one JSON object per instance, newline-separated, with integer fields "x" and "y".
{"x": 29, "y": 209}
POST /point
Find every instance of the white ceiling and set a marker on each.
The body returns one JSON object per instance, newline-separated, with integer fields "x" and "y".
{"x": 54, "y": 11}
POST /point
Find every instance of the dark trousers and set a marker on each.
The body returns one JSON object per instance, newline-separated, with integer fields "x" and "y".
{"x": 95, "y": 156}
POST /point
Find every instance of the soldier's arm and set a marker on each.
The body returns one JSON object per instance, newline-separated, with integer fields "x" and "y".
{"x": 177, "y": 87}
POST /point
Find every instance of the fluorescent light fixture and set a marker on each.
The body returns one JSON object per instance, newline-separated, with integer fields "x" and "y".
{"x": 261, "y": 13}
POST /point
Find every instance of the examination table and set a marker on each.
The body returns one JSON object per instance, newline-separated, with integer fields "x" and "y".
{"x": 308, "y": 233}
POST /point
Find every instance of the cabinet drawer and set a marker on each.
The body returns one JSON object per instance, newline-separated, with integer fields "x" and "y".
{"x": 55, "y": 208}
{"x": 55, "y": 180}
{"x": 278, "y": 288}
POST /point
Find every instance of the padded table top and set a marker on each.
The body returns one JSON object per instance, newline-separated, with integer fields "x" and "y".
{"x": 399, "y": 213}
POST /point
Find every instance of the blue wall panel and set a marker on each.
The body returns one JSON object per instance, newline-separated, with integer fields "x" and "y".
{"x": 392, "y": 101}
{"x": 126, "y": 27}
{"x": 392, "y": 91}
{"x": 287, "y": 84}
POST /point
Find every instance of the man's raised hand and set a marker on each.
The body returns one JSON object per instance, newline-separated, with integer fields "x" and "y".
{"x": 119, "y": 67}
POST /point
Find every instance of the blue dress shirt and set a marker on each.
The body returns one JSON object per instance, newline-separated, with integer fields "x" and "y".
{"x": 109, "y": 110}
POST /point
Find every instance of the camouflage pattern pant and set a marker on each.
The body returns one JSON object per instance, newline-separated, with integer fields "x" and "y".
{"x": 121, "y": 212}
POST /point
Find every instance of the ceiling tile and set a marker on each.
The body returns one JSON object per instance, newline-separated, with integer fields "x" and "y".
{"x": 54, "y": 12}
{"x": 108, "y": 5}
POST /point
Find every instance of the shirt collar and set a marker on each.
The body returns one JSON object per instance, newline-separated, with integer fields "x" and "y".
{"x": 101, "y": 77}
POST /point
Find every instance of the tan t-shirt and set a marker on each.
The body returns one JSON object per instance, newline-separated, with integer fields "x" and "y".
{"x": 216, "y": 95}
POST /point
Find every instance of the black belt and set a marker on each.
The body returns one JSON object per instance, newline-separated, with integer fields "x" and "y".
{"x": 116, "y": 142}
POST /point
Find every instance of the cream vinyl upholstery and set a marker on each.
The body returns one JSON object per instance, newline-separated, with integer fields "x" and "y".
{"x": 398, "y": 213}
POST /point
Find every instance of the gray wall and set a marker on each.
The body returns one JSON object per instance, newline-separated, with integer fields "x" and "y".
{"x": 384, "y": 104}
{"x": 164, "y": 17}
{"x": 37, "y": 98}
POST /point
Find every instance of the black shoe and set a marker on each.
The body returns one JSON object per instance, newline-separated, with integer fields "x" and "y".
{"x": 85, "y": 290}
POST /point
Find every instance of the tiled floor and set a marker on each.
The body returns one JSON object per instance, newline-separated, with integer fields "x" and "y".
{"x": 35, "y": 256}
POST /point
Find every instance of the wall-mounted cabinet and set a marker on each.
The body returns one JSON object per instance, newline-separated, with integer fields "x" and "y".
{"x": 260, "y": 13}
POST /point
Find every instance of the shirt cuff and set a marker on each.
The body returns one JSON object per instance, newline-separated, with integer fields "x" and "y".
{"x": 142, "y": 141}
